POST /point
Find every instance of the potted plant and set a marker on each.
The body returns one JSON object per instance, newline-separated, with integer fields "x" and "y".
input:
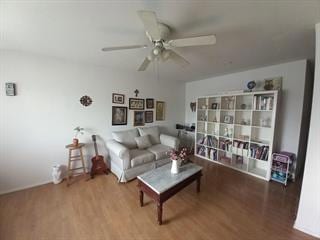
{"x": 78, "y": 130}
{"x": 177, "y": 158}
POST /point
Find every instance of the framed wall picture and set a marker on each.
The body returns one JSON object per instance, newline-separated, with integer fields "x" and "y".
{"x": 148, "y": 116}
{"x": 149, "y": 103}
{"x": 138, "y": 118}
{"x": 117, "y": 98}
{"x": 119, "y": 115}
{"x": 136, "y": 103}
{"x": 160, "y": 111}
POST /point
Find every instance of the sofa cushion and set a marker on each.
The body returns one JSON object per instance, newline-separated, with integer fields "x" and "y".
{"x": 153, "y": 132}
{"x": 160, "y": 151}
{"x": 139, "y": 157}
{"x": 143, "y": 142}
{"x": 126, "y": 137}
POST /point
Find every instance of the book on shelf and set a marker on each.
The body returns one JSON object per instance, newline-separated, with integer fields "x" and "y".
{"x": 213, "y": 154}
{"x": 225, "y": 144}
{"x": 201, "y": 151}
{"x": 259, "y": 152}
{"x": 209, "y": 141}
{"x": 261, "y": 102}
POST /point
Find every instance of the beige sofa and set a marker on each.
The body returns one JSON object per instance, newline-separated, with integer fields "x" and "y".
{"x": 129, "y": 159}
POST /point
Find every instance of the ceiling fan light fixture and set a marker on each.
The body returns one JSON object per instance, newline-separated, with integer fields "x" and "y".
{"x": 162, "y": 47}
{"x": 156, "y": 51}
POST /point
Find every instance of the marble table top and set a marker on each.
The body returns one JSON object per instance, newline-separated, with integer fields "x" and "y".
{"x": 161, "y": 179}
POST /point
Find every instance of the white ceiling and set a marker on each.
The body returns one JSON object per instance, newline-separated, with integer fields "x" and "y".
{"x": 249, "y": 33}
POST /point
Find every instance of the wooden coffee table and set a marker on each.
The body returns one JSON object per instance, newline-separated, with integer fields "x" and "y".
{"x": 160, "y": 184}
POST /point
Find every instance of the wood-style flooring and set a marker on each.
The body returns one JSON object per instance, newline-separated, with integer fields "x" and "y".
{"x": 231, "y": 205}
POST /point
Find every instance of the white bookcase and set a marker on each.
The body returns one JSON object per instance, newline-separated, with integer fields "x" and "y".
{"x": 237, "y": 130}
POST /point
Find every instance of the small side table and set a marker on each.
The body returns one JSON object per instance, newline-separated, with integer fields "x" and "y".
{"x": 73, "y": 158}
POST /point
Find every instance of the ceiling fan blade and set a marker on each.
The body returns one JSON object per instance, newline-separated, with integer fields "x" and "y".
{"x": 194, "y": 41}
{"x": 150, "y": 22}
{"x": 169, "y": 54}
{"x": 108, "y": 49}
{"x": 144, "y": 64}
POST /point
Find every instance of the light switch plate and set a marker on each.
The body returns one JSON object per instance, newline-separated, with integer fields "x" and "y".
{"x": 10, "y": 89}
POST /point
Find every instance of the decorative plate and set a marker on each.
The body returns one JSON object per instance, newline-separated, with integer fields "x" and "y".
{"x": 86, "y": 100}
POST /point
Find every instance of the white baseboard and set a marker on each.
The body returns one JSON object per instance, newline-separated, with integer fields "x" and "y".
{"x": 307, "y": 231}
{"x": 25, "y": 187}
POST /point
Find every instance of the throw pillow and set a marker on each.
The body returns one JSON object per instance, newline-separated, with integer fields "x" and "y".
{"x": 126, "y": 137}
{"x": 143, "y": 142}
{"x": 153, "y": 133}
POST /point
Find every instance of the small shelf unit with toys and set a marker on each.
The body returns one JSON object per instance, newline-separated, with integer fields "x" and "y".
{"x": 237, "y": 130}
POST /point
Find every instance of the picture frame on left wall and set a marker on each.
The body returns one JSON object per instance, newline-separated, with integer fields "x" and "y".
{"x": 117, "y": 98}
{"x": 119, "y": 115}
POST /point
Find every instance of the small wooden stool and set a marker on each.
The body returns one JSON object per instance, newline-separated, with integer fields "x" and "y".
{"x": 73, "y": 158}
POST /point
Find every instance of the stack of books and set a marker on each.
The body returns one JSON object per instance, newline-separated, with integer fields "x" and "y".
{"x": 225, "y": 144}
{"x": 240, "y": 144}
{"x": 202, "y": 151}
{"x": 213, "y": 154}
{"x": 209, "y": 141}
{"x": 263, "y": 102}
{"x": 259, "y": 152}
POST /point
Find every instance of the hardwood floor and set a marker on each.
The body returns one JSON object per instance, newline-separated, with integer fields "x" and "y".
{"x": 231, "y": 205}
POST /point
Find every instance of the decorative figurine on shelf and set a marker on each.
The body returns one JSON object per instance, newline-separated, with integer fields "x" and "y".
{"x": 226, "y": 132}
{"x": 230, "y": 132}
{"x": 231, "y": 103}
{"x": 251, "y": 85}
{"x": 78, "y": 130}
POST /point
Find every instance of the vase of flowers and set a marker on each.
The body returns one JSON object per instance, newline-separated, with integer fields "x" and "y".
{"x": 78, "y": 130}
{"x": 177, "y": 157}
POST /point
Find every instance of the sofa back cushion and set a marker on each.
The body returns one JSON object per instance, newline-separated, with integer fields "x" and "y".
{"x": 143, "y": 142}
{"x": 153, "y": 132}
{"x": 127, "y": 137}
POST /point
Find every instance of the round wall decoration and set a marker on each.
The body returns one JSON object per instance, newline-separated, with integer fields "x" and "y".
{"x": 86, "y": 100}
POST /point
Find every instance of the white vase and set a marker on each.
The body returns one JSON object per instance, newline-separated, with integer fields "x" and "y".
{"x": 56, "y": 174}
{"x": 175, "y": 167}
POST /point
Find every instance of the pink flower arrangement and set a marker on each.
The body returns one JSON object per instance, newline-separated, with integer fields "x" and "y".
{"x": 178, "y": 155}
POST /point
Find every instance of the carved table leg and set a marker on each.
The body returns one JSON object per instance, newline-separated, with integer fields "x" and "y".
{"x": 159, "y": 208}
{"x": 141, "y": 198}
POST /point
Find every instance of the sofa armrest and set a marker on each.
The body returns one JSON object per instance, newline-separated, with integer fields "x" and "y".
{"x": 120, "y": 151}
{"x": 169, "y": 141}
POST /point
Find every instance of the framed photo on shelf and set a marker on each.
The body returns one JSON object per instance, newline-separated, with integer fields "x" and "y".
{"x": 149, "y": 103}
{"x": 148, "y": 116}
{"x": 138, "y": 118}
{"x": 119, "y": 115}
{"x": 136, "y": 103}
{"x": 214, "y": 106}
{"x": 228, "y": 119}
{"x": 160, "y": 111}
{"x": 117, "y": 98}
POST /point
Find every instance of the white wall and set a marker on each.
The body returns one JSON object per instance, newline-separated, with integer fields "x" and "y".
{"x": 308, "y": 218}
{"x": 36, "y": 124}
{"x": 291, "y": 103}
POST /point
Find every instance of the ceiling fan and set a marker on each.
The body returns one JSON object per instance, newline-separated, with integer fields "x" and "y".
{"x": 158, "y": 34}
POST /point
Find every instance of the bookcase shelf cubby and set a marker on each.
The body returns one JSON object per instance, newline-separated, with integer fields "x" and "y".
{"x": 237, "y": 130}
